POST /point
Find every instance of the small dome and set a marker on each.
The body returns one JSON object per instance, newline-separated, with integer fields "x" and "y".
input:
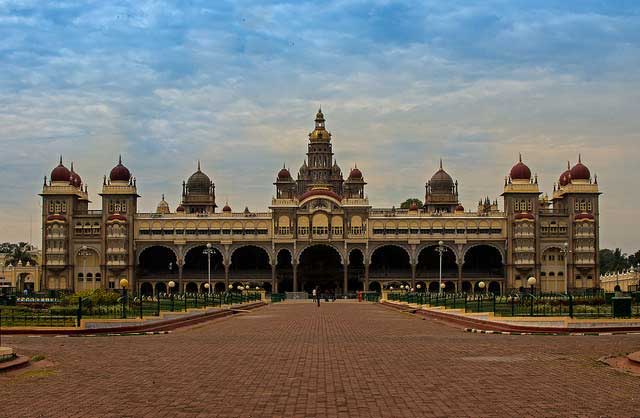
{"x": 520, "y": 171}
{"x": 284, "y": 174}
{"x": 180, "y": 208}
{"x": 120, "y": 172}
{"x": 163, "y": 206}
{"x": 459, "y": 208}
{"x": 76, "y": 181}
{"x": 355, "y": 173}
{"x": 441, "y": 181}
{"x": 414, "y": 206}
{"x": 226, "y": 208}
{"x": 580, "y": 171}
{"x": 565, "y": 177}
{"x": 60, "y": 173}
{"x": 198, "y": 183}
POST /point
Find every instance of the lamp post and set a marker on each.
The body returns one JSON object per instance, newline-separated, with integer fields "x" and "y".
{"x": 441, "y": 249}
{"x": 208, "y": 252}
{"x": 565, "y": 253}
{"x": 171, "y": 285}
{"x": 442, "y": 286}
{"x": 531, "y": 281}
{"x": 84, "y": 253}
{"x": 481, "y": 286}
{"x": 124, "y": 283}
{"x": 207, "y": 292}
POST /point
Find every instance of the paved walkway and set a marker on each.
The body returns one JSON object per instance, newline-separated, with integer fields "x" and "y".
{"x": 296, "y": 360}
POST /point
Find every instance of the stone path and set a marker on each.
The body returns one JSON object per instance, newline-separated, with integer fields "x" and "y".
{"x": 346, "y": 360}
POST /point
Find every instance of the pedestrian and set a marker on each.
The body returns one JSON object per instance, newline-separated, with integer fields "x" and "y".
{"x": 316, "y": 295}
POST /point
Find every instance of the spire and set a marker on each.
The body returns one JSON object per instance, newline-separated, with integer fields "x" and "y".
{"x": 162, "y": 196}
{"x": 120, "y": 159}
{"x": 60, "y": 159}
{"x": 440, "y": 163}
{"x": 568, "y": 165}
{"x": 198, "y": 165}
{"x": 520, "y": 157}
{"x": 72, "y": 166}
{"x": 579, "y": 158}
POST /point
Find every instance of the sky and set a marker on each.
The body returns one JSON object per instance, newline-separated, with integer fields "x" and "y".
{"x": 236, "y": 84}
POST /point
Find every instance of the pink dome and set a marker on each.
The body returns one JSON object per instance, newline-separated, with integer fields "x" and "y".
{"x": 120, "y": 172}
{"x": 520, "y": 171}
{"x": 60, "y": 173}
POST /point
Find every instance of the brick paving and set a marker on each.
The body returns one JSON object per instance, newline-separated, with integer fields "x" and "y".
{"x": 342, "y": 359}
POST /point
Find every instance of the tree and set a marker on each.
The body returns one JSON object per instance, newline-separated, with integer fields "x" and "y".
{"x": 17, "y": 252}
{"x": 613, "y": 260}
{"x": 407, "y": 203}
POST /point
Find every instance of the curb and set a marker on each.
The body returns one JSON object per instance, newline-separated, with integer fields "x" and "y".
{"x": 17, "y": 362}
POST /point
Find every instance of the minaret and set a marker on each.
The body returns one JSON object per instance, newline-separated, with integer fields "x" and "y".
{"x": 319, "y": 154}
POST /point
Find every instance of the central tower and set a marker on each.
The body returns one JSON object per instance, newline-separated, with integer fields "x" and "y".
{"x": 320, "y": 169}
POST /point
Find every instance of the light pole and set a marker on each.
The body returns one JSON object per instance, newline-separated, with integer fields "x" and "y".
{"x": 442, "y": 286}
{"x": 531, "y": 281}
{"x": 441, "y": 249}
{"x": 208, "y": 251}
{"x": 84, "y": 253}
{"x": 124, "y": 283}
{"x": 565, "y": 254}
{"x": 171, "y": 285}
{"x": 481, "y": 286}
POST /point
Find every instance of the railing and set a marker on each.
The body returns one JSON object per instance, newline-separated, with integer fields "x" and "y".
{"x": 590, "y": 305}
{"x": 130, "y": 307}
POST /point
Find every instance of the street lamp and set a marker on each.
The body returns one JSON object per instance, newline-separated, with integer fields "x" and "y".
{"x": 84, "y": 253}
{"x": 441, "y": 249}
{"x": 531, "y": 281}
{"x": 208, "y": 251}
{"x": 171, "y": 285}
{"x": 207, "y": 286}
{"x": 124, "y": 283}
{"x": 442, "y": 286}
{"x": 418, "y": 286}
{"x": 565, "y": 253}
{"x": 481, "y": 286}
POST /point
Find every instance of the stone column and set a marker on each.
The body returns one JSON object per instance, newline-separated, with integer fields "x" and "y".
{"x": 180, "y": 288}
{"x": 295, "y": 276}
{"x": 345, "y": 279}
{"x": 413, "y": 275}
{"x": 226, "y": 276}
{"x": 274, "y": 281}
{"x": 460, "y": 277}
{"x": 366, "y": 275}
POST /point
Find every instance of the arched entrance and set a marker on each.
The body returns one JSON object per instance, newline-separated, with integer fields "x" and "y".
{"x": 355, "y": 270}
{"x": 284, "y": 271}
{"x": 375, "y": 287}
{"x": 250, "y": 263}
{"x": 191, "y": 287}
{"x": 390, "y": 262}
{"x": 146, "y": 289}
{"x": 320, "y": 265}
{"x": 161, "y": 288}
{"x": 428, "y": 265}
{"x": 196, "y": 264}
{"x": 483, "y": 262}
{"x": 157, "y": 263}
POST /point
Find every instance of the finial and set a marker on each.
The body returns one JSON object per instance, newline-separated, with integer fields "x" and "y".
{"x": 60, "y": 159}
{"x": 120, "y": 159}
{"x": 72, "y": 166}
{"x": 440, "y": 163}
{"x": 284, "y": 165}
{"x": 568, "y": 165}
{"x": 579, "y": 158}
{"x": 198, "y": 165}
{"x": 162, "y": 196}
{"x": 595, "y": 179}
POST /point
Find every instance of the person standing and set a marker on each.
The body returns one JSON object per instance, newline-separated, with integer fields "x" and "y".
{"x": 316, "y": 295}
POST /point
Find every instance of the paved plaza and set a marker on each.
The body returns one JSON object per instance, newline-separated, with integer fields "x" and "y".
{"x": 342, "y": 359}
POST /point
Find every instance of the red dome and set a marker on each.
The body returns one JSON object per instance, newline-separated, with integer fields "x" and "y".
{"x": 284, "y": 174}
{"x": 120, "y": 172}
{"x": 75, "y": 178}
{"x": 355, "y": 174}
{"x": 459, "y": 208}
{"x": 580, "y": 171}
{"x": 584, "y": 216}
{"x": 414, "y": 206}
{"x": 524, "y": 215}
{"x": 520, "y": 171}
{"x": 226, "y": 208}
{"x": 320, "y": 192}
{"x": 60, "y": 173}
{"x": 180, "y": 208}
{"x": 565, "y": 178}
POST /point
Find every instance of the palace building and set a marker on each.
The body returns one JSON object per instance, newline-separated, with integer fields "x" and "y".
{"x": 320, "y": 230}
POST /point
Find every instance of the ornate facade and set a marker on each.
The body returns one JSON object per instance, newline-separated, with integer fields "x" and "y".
{"x": 321, "y": 230}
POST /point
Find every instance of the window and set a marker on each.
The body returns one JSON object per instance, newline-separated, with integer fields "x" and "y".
{"x": 89, "y": 277}
{"x": 98, "y": 277}
{"x": 112, "y": 285}
{"x": 80, "y": 277}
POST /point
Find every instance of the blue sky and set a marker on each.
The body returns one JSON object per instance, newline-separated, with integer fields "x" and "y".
{"x": 236, "y": 84}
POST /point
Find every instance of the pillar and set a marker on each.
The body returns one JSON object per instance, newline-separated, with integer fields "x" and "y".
{"x": 274, "y": 281}
{"x": 295, "y": 276}
{"x": 366, "y": 275}
{"x": 180, "y": 287}
{"x": 345, "y": 279}
{"x": 226, "y": 276}
{"x": 459, "y": 277}
{"x": 413, "y": 275}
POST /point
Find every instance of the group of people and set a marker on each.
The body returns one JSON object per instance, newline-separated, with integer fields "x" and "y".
{"x": 328, "y": 295}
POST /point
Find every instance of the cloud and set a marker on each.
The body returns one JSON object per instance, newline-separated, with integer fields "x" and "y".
{"x": 236, "y": 85}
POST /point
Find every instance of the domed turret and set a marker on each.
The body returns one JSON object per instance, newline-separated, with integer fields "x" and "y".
{"x": 441, "y": 192}
{"x": 284, "y": 174}
{"x": 580, "y": 171}
{"x": 120, "y": 172}
{"x": 60, "y": 173}
{"x": 75, "y": 181}
{"x": 565, "y": 177}
{"x": 355, "y": 174}
{"x": 441, "y": 181}
{"x": 226, "y": 208}
{"x": 199, "y": 183}
{"x": 163, "y": 207}
{"x": 520, "y": 171}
